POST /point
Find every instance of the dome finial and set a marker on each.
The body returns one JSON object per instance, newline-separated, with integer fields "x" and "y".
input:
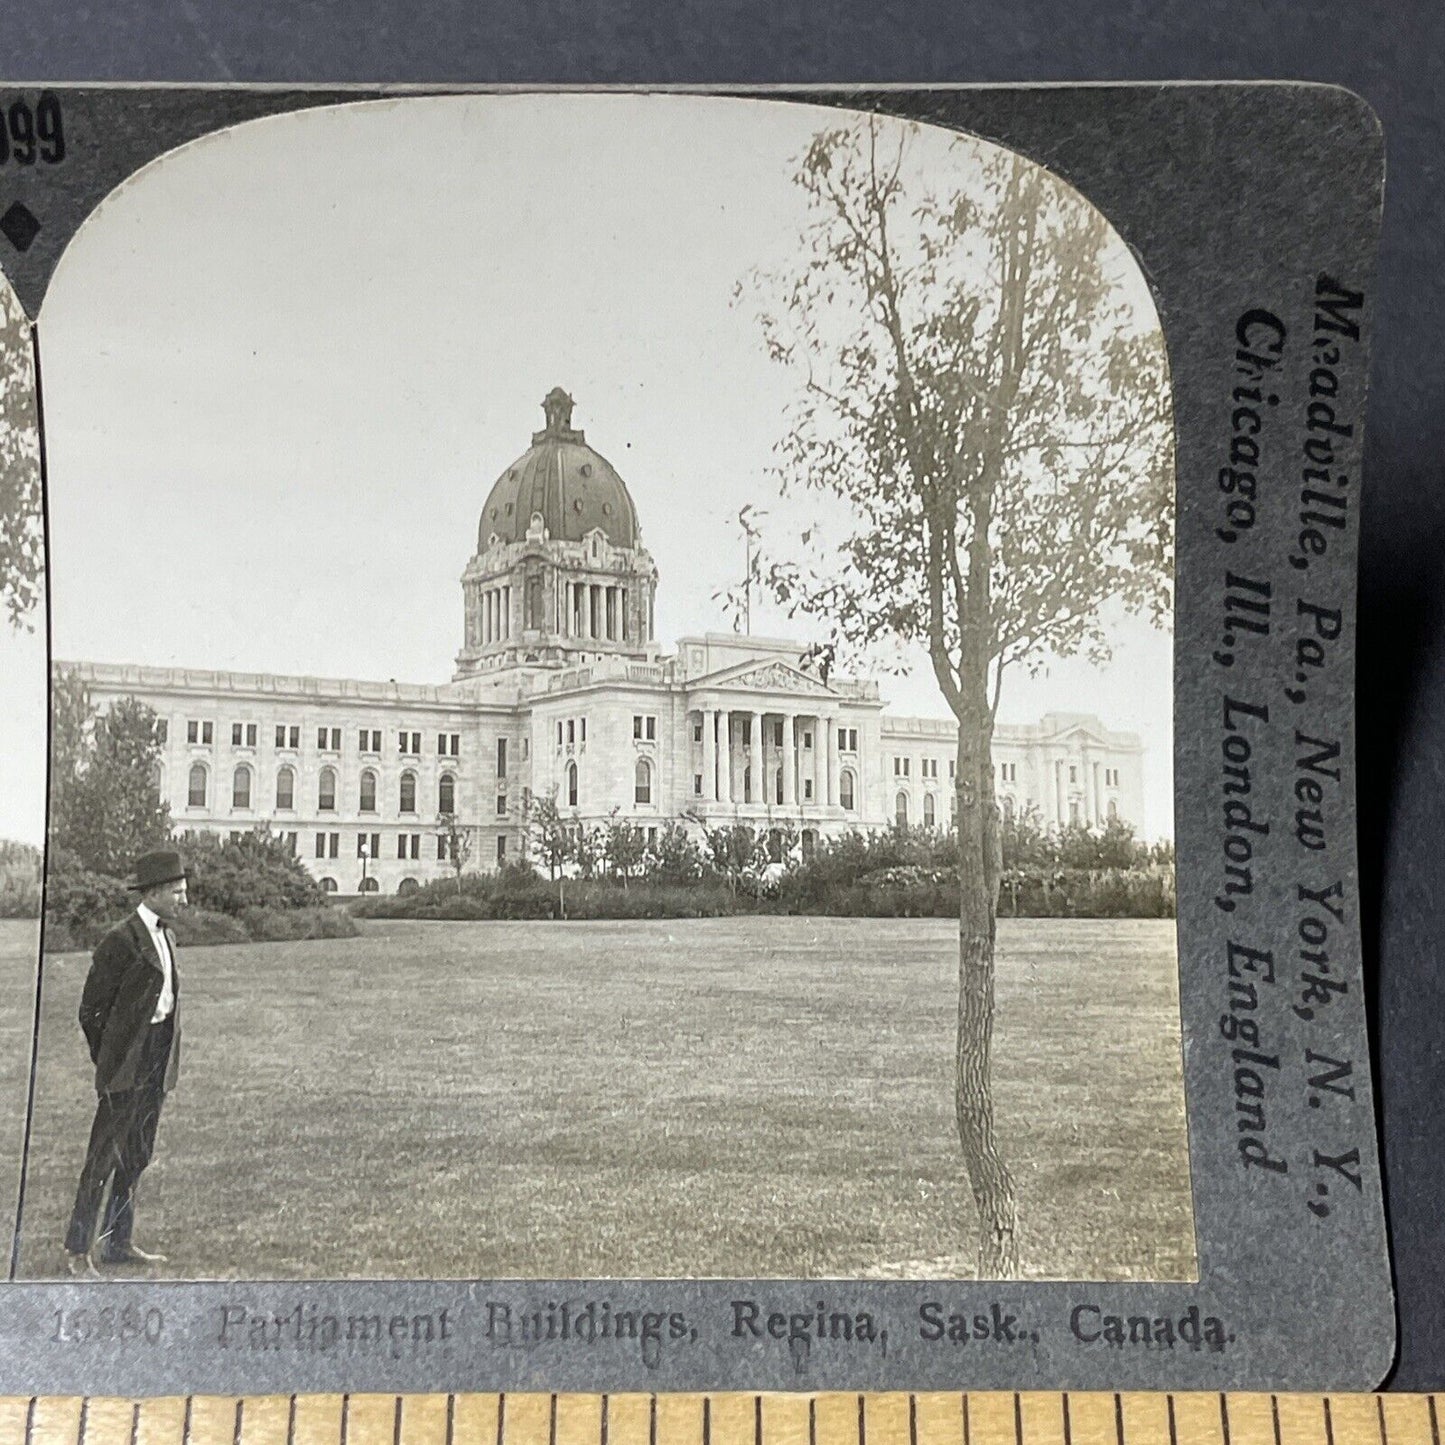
{"x": 557, "y": 408}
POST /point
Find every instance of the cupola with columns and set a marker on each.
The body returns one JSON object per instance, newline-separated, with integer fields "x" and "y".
{"x": 560, "y": 575}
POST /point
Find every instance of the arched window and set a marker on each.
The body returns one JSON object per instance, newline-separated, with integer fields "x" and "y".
{"x": 775, "y": 845}
{"x": 408, "y": 792}
{"x": 1113, "y": 811}
{"x": 326, "y": 791}
{"x": 571, "y": 785}
{"x": 370, "y": 885}
{"x": 286, "y": 790}
{"x": 241, "y": 787}
{"x": 845, "y": 789}
{"x": 157, "y": 775}
{"x": 368, "y": 791}
{"x": 900, "y": 810}
{"x": 1008, "y": 810}
{"x": 328, "y": 885}
{"x": 407, "y": 887}
{"x": 643, "y": 789}
{"x": 809, "y": 842}
{"x": 196, "y": 788}
{"x": 928, "y": 810}
{"x": 447, "y": 795}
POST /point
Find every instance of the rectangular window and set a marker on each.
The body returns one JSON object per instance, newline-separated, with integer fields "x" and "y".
{"x": 441, "y": 847}
{"x": 747, "y": 732}
{"x": 501, "y": 805}
{"x": 361, "y": 743}
{"x": 402, "y": 739}
{"x": 952, "y": 768}
{"x": 441, "y": 745}
{"x": 651, "y": 729}
{"x": 501, "y": 757}
{"x": 335, "y": 845}
{"x": 807, "y": 790}
{"x": 652, "y": 837}
{"x": 250, "y": 735}
{"x": 321, "y": 845}
{"x": 376, "y": 845}
{"x": 416, "y": 845}
{"x": 637, "y": 725}
{"x": 697, "y": 785}
{"x": 193, "y": 732}
{"x": 321, "y": 738}
{"x": 778, "y": 733}
{"x": 361, "y": 845}
{"x": 808, "y": 738}
{"x": 571, "y": 730}
{"x": 401, "y": 845}
{"x": 501, "y": 849}
{"x": 697, "y": 732}
{"x": 1073, "y": 773}
{"x": 280, "y": 735}
{"x": 235, "y": 735}
{"x": 291, "y": 844}
{"x": 335, "y": 740}
{"x": 163, "y": 730}
{"x": 559, "y": 732}
{"x": 582, "y": 730}
{"x": 526, "y": 748}
{"x": 370, "y": 740}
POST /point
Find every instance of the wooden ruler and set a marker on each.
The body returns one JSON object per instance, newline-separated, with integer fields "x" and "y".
{"x": 1001, "y": 1418}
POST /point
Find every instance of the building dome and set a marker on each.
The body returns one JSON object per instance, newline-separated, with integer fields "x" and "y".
{"x": 560, "y": 477}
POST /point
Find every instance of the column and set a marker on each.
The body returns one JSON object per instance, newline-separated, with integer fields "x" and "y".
{"x": 829, "y": 770}
{"x": 623, "y": 630}
{"x": 790, "y": 759}
{"x": 759, "y": 765}
{"x": 709, "y": 755}
{"x": 507, "y": 610}
{"x": 727, "y": 755}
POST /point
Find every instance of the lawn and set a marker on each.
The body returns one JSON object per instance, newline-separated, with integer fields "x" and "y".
{"x": 19, "y": 941}
{"x": 724, "y": 1097}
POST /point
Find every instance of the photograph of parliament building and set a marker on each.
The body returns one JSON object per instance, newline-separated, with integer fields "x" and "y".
{"x": 561, "y": 688}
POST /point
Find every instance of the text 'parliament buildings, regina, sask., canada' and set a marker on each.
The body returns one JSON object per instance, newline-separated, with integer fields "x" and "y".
{"x": 562, "y": 690}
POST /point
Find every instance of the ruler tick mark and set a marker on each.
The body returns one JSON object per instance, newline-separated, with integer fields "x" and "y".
{"x": 236, "y": 1427}
{"x": 1224, "y": 1415}
{"x": 452, "y": 1419}
{"x": 652, "y": 1420}
{"x": 345, "y": 1417}
{"x": 812, "y": 1420}
{"x": 30, "y": 1421}
{"x": 135, "y": 1423}
{"x": 1068, "y": 1424}
{"x": 501, "y": 1415}
{"x": 186, "y": 1423}
{"x": 1434, "y": 1420}
{"x": 757, "y": 1420}
{"x": 1173, "y": 1428}
{"x": 912, "y": 1418}
{"x": 1329, "y": 1423}
{"x": 291, "y": 1422}
{"x": 552, "y": 1419}
{"x": 396, "y": 1423}
{"x": 706, "y": 1421}
{"x": 1274, "y": 1416}
{"x": 966, "y": 1431}
{"x": 1018, "y": 1419}
{"x": 862, "y": 1423}
{"x": 1119, "y": 1418}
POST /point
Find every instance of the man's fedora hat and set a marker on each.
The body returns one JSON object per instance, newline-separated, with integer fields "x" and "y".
{"x": 153, "y": 869}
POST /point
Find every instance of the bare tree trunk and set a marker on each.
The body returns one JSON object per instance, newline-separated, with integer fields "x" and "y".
{"x": 979, "y": 869}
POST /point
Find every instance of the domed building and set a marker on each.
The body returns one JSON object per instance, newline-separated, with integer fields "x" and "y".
{"x": 560, "y": 574}
{"x": 561, "y": 691}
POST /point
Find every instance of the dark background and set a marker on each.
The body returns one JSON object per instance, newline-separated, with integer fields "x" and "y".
{"x": 1392, "y": 54}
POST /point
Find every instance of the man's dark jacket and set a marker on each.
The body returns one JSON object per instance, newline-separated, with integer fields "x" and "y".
{"x": 120, "y": 996}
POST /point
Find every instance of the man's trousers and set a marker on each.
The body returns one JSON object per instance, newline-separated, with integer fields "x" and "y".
{"x": 122, "y": 1139}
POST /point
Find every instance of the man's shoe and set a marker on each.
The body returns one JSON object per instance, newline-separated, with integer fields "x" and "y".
{"x": 131, "y": 1254}
{"x": 81, "y": 1265}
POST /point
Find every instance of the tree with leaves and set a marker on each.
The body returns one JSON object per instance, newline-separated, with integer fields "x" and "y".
{"x": 22, "y": 551}
{"x": 105, "y": 802}
{"x": 624, "y": 845}
{"x": 457, "y": 840}
{"x": 982, "y": 386}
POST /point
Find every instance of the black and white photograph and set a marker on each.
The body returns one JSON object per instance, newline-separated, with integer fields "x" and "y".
{"x": 610, "y": 700}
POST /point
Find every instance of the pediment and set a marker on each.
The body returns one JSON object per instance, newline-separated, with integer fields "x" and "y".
{"x": 766, "y": 676}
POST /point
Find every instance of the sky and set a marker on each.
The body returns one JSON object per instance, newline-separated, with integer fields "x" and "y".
{"x": 285, "y": 364}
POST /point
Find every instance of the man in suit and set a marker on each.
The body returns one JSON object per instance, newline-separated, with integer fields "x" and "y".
{"x": 131, "y": 1020}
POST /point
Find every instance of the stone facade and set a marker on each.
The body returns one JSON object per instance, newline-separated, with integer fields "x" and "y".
{"x": 561, "y": 690}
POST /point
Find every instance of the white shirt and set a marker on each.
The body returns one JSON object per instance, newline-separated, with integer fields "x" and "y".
{"x": 167, "y": 1001}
